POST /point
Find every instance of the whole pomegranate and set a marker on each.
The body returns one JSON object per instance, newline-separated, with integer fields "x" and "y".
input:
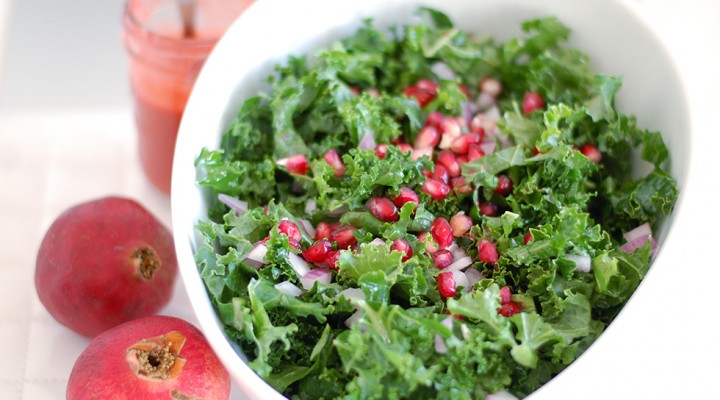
{"x": 105, "y": 262}
{"x": 151, "y": 358}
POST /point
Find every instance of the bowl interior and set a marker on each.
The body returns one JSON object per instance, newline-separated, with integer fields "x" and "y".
{"x": 615, "y": 35}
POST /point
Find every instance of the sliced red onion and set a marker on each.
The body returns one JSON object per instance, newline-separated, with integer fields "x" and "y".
{"x": 488, "y": 147}
{"x": 307, "y": 226}
{"x": 310, "y": 206}
{"x": 459, "y": 264}
{"x": 484, "y": 101}
{"x": 289, "y": 289}
{"x": 465, "y": 331}
{"x": 367, "y": 142}
{"x": 505, "y": 141}
{"x": 501, "y": 395}
{"x": 584, "y": 263}
{"x": 377, "y": 242}
{"x": 630, "y": 247}
{"x": 457, "y": 251}
{"x": 322, "y": 275}
{"x": 461, "y": 280}
{"x": 440, "y": 346}
{"x": 443, "y": 71}
{"x": 256, "y": 257}
{"x": 337, "y": 212}
{"x": 467, "y": 112}
{"x": 353, "y": 319}
{"x": 642, "y": 231}
{"x": 236, "y": 204}
{"x": 473, "y": 276}
{"x": 298, "y": 264}
{"x": 351, "y": 293}
{"x": 493, "y": 115}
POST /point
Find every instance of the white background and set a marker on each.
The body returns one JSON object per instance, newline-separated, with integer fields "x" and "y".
{"x": 66, "y": 136}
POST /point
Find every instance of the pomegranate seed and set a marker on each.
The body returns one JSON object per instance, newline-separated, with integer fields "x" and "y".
{"x": 373, "y": 92}
{"x": 323, "y": 230}
{"x": 460, "y": 185}
{"x": 446, "y": 284}
{"x": 405, "y": 148}
{"x": 450, "y": 127}
{"x": 532, "y": 101}
{"x": 297, "y": 164}
{"x": 509, "y": 309}
{"x": 441, "y": 173}
{"x": 465, "y": 90}
{"x": 344, "y": 237}
{"x": 528, "y": 238}
{"x": 430, "y": 245}
{"x": 592, "y": 153}
{"x": 397, "y": 140}
{"x": 434, "y": 119}
{"x": 294, "y": 243}
{"x": 383, "y": 209}
{"x": 438, "y": 190}
{"x": 355, "y": 90}
{"x": 463, "y": 159}
{"x": 460, "y": 224}
{"x": 427, "y": 137}
{"x": 427, "y": 173}
{"x": 505, "y": 295}
{"x": 290, "y": 230}
{"x": 491, "y": 86}
{"x": 381, "y": 150}
{"x": 447, "y": 159}
{"x": 332, "y": 157}
{"x": 441, "y": 231}
{"x": 475, "y": 152}
{"x": 504, "y": 186}
{"x": 488, "y": 208}
{"x": 424, "y": 91}
{"x": 403, "y": 246}
{"x": 318, "y": 251}
{"x": 332, "y": 259}
{"x": 442, "y": 258}
{"x": 480, "y": 124}
{"x": 406, "y": 195}
{"x": 425, "y": 151}
{"x": 462, "y": 144}
{"x": 487, "y": 252}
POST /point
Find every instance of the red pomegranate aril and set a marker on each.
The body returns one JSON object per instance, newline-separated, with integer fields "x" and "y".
{"x": 447, "y": 159}
{"x": 488, "y": 208}
{"x": 442, "y": 258}
{"x": 441, "y": 173}
{"x": 332, "y": 259}
{"x": 442, "y": 232}
{"x": 406, "y": 195}
{"x": 438, "y": 190}
{"x": 491, "y": 86}
{"x": 333, "y": 158}
{"x": 323, "y": 230}
{"x": 290, "y": 230}
{"x": 462, "y": 159}
{"x": 465, "y": 90}
{"x": 475, "y": 152}
{"x": 425, "y": 151}
{"x": 504, "y": 186}
{"x": 430, "y": 245}
{"x": 528, "y": 238}
{"x": 424, "y": 91}
{"x": 403, "y": 246}
{"x": 297, "y": 164}
{"x": 532, "y": 101}
{"x": 446, "y": 284}
{"x": 435, "y": 118}
{"x": 462, "y": 144}
{"x": 381, "y": 150}
{"x": 344, "y": 237}
{"x": 487, "y": 252}
{"x": 509, "y": 309}
{"x": 294, "y": 243}
{"x": 383, "y": 209}
{"x": 460, "y": 185}
{"x": 592, "y": 153}
{"x": 505, "y": 295}
{"x": 427, "y": 137}
{"x": 460, "y": 224}
{"x": 405, "y": 148}
{"x": 318, "y": 251}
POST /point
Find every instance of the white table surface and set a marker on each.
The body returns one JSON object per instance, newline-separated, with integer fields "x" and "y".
{"x": 54, "y": 157}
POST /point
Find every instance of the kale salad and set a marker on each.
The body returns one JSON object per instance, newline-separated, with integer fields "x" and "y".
{"x": 422, "y": 213}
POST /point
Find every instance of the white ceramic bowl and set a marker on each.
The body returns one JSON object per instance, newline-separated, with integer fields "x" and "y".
{"x": 615, "y": 34}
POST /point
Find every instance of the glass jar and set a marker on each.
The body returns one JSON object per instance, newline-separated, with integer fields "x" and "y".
{"x": 165, "y": 58}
